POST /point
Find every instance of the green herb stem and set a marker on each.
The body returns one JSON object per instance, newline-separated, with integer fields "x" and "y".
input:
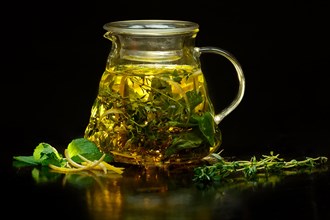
{"x": 268, "y": 164}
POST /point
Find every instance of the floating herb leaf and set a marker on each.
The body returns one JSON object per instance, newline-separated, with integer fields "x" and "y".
{"x": 183, "y": 141}
{"x": 206, "y": 126}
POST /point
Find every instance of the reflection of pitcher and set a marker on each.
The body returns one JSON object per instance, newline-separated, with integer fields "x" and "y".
{"x": 153, "y": 106}
{"x": 141, "y": 193}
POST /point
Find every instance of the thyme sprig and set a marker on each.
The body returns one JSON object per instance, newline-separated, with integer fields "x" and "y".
{"x": 223, "y": 169}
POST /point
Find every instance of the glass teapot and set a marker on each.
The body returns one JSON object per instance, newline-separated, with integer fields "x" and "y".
{"x": 152, "y": 106}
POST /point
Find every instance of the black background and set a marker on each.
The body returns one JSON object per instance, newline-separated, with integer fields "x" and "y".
{"x": 54, "y": 55}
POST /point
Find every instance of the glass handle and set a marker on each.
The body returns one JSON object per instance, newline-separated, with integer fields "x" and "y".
{"x": 241, "y": 89}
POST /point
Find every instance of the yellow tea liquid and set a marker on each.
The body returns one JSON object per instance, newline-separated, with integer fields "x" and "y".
{"x": 153, "y": 115}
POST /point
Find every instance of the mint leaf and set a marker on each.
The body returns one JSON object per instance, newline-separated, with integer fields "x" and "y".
{"x": 23, "y": 161}
{"x": 42, "y": 149}
{"x": 45, "y": 154}
{"x": 85, "y": 148}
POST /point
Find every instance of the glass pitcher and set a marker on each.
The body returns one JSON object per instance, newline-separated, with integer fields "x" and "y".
{"x": 152, "y": 106}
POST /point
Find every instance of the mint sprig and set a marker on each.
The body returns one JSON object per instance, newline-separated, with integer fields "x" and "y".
{"x": 44, "y": 154}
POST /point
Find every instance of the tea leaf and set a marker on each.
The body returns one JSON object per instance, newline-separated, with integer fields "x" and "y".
{"x": 183, "y": 141}
{"x": 194, "y": 98}
{"x": 206, "y": 126}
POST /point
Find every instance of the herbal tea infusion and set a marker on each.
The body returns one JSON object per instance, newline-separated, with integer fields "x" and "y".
{"x": 153, "y": 113}
{"x": 152, "y": 106}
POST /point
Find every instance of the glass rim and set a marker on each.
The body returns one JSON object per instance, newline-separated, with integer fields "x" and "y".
{"x": 152, "y": 27}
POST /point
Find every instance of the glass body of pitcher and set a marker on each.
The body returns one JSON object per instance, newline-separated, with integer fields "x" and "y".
{"x": 153, "y": 107}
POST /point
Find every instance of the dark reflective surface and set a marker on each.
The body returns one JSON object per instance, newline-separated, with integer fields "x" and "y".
{"x": 163, "y": 194}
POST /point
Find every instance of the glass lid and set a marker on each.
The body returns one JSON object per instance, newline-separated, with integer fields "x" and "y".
{"x": 152, "y": 27}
